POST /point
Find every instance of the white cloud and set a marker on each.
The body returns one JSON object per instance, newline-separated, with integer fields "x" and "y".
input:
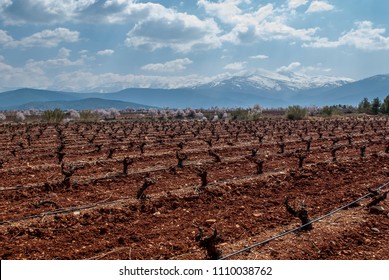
{"x": 106, "y": 52}
{"x": 50, "y": 11}
{"x": 265, "y": 23}
{"x": 277, "y": 30}
{"x": 314, "y": 70}
{"x": 87, "y": 81}
{"x": 260, "y": 56}
{"x": 37, "y": 73}
{"x": 227, "y": 11}
{"x": 237, "y": 66}
{"x": 315, "y": 74}
{"x": 18, "y": 12}
{"x": 64, "y": 53}
{"x": 319, "y": 6}
{"x": 53, "y": 63}
{"x": 62, "y": 60}
{"x": 170, "y": 66}
{"x": 364, "y": 37}
{"x": 290, "y": 68}
{"x": 153, "y": 26}
{"x": 166, "y": 28}
{"x": 4, "y": 37}
{"x": 294, "y": 4}
{"x": 46, "y": 38}
{"x": 11, "y": 77}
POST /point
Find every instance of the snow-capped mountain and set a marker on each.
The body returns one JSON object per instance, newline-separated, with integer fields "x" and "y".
{"x": 269, "y": 89}
{"x": 275, "y": 81}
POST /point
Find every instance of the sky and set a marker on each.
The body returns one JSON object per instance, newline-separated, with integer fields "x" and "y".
{"x": 108, "y": 45}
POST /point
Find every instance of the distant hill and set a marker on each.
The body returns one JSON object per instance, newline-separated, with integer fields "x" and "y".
{"x": 26, "y": 95}
{"x": 82, "y": 104}
{"x": 183, "y": 98}
{"x": 266, "y": 88}
{"x": 353, "y": 93}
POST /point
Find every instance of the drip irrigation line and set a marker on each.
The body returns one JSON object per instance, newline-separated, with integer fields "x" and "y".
{"x": 251, "y": 176}
{"x": 65, "y": 210}
{"x": 84, "y": 207}
{"x": 300, "y": 227}
{"x": 112, "y": 175}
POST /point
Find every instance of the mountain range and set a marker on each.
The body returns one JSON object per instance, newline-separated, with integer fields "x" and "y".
{"x": 268, "y": 89}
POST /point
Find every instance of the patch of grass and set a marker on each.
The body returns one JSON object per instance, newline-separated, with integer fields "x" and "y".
{"x": 296, "y": 113}
{"x": 53, "y": 116}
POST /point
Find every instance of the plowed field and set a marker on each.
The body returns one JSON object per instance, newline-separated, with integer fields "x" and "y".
{"x": 65, "y": 192}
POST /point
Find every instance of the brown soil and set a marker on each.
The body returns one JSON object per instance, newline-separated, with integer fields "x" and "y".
{"x": 97, "y": 215}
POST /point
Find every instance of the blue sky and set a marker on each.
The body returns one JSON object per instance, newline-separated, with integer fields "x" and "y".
{"x": 84, "y": 45}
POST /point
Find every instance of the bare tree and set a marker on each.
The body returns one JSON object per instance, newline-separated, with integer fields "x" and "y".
{"x": 301, "y": 157}
{"x": 362, "y": 151}
{"x": 98, "y": 147}
{"x": 300, "y": 213}
{"x": 126, "y": 162}
{"x": 60, "y": 156}
{"x": 142, "y": 147}
{"x": 281, "y": 145}
{"x": 202, "y": 173}
{"x": 181, "y": 157}
{"x": 377, "y": 197}
{"x": 110, "y": 152}
{"x": 259, "y": 163}
{"x": 209, "y": 243}
{"x": 333, "y": 152}
{"x": 308, "y": 142}
{"x": 146, "y": 183}
{"x": 216, "y": 157}
{"x": 68, "y": 173}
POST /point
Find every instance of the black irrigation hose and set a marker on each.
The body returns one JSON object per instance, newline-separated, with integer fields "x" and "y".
{"x": 67, "y": 210}
{"x": 64, "y": 211}
{"x": 161, "y": 168}
{"x": 300, "y": 227}
{"x": 112, "y": 175}
{"x": 84, "y": 207}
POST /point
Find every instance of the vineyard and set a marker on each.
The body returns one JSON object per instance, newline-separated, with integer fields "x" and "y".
{"x": 195, "y": 189}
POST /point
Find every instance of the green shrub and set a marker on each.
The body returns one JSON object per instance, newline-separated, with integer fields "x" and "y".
{"x": 385, "y": 106}
{"x": 89, "y": 116}
{"x": 375, "y": 106}
{"x": 239, "y": 114}
{"x": 364, "y": 106}
{"x": 296, "y": 113}
{"x": 55, "y": 116}
{"x": 250, "y": 114}
{"x": 328, "y": 111}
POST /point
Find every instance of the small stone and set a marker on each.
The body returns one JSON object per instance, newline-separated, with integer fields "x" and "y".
{"x": 257, "y": 214}
{"x": 211, "y": 221}
{"x": 375, "y": 229}
{"x": 76, "y": 213}
{"x": 157, "y": 213}
{"x": 375, "y": 209}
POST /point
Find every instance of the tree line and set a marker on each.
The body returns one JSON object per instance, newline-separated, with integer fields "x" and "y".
{"x": 374, "y": 107}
